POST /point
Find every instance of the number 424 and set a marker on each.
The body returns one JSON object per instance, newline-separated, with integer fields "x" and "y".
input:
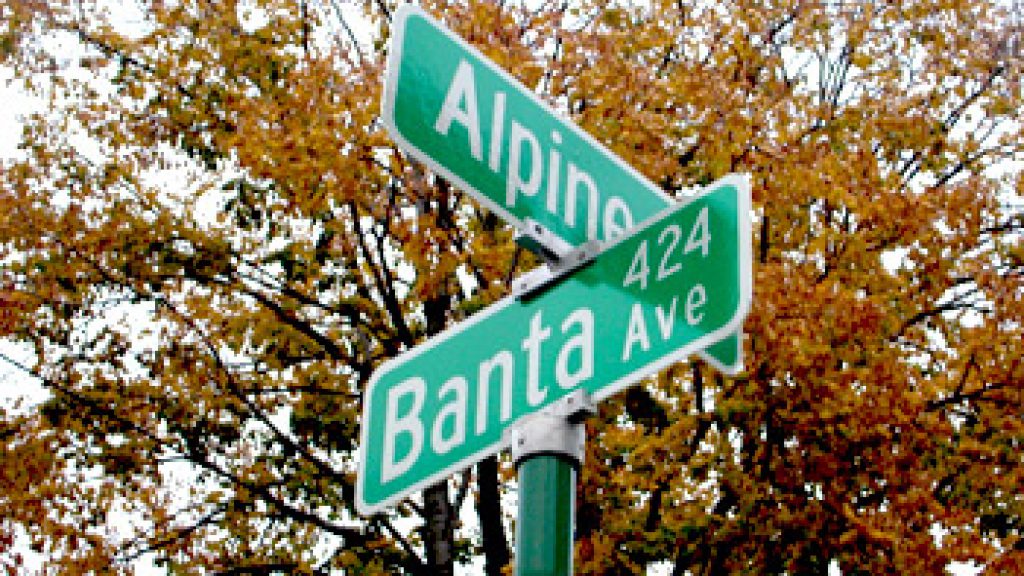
{"x": 698, "y": 239}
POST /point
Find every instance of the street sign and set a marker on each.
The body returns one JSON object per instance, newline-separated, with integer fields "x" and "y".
{"x": 456, "y": 111}
{"x": 675, "y": 285}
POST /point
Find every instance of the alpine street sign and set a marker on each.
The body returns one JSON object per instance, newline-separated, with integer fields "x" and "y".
{"x": 456, "y": 111}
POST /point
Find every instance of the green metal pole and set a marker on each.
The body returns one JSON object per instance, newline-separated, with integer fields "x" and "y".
{"x": 548, "y": 450}
{"x": 547, "y": 505}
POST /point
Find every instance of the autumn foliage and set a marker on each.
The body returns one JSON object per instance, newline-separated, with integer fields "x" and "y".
{"x": 208, "y": 242}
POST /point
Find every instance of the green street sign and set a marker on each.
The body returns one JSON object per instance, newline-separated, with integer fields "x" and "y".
{"x": 453, "y": 109}
{"x": 675, "y": 285}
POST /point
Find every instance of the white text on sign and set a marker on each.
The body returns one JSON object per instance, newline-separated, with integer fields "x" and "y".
{"x": 526, "y": 165}
{"x": 574, "y": 364}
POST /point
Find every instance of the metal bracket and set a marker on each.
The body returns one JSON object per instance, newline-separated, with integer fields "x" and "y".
{"x": 543, "y": 242}
{"x": 555, "y": 430}
{"x": 542, "y": 277}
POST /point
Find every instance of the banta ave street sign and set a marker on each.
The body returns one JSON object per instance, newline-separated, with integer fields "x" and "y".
{"x": 453, "y": 109}
{"x": 675, "y": 285}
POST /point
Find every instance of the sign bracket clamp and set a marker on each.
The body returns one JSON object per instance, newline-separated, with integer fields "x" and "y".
{"x": 560, "y": 259}
{"x": 556, "y": 430}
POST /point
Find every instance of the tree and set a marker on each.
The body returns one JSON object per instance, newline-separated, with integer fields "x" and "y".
{"x": 209, "y": 243}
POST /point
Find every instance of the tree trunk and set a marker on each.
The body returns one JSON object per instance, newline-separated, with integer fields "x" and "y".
{"x": 438, "y": 532}
{"x": 488, "y": 509}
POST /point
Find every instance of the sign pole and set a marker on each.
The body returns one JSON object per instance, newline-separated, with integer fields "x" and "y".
{"x": 548, "y": 451}
{"x": 546, "y": 521}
